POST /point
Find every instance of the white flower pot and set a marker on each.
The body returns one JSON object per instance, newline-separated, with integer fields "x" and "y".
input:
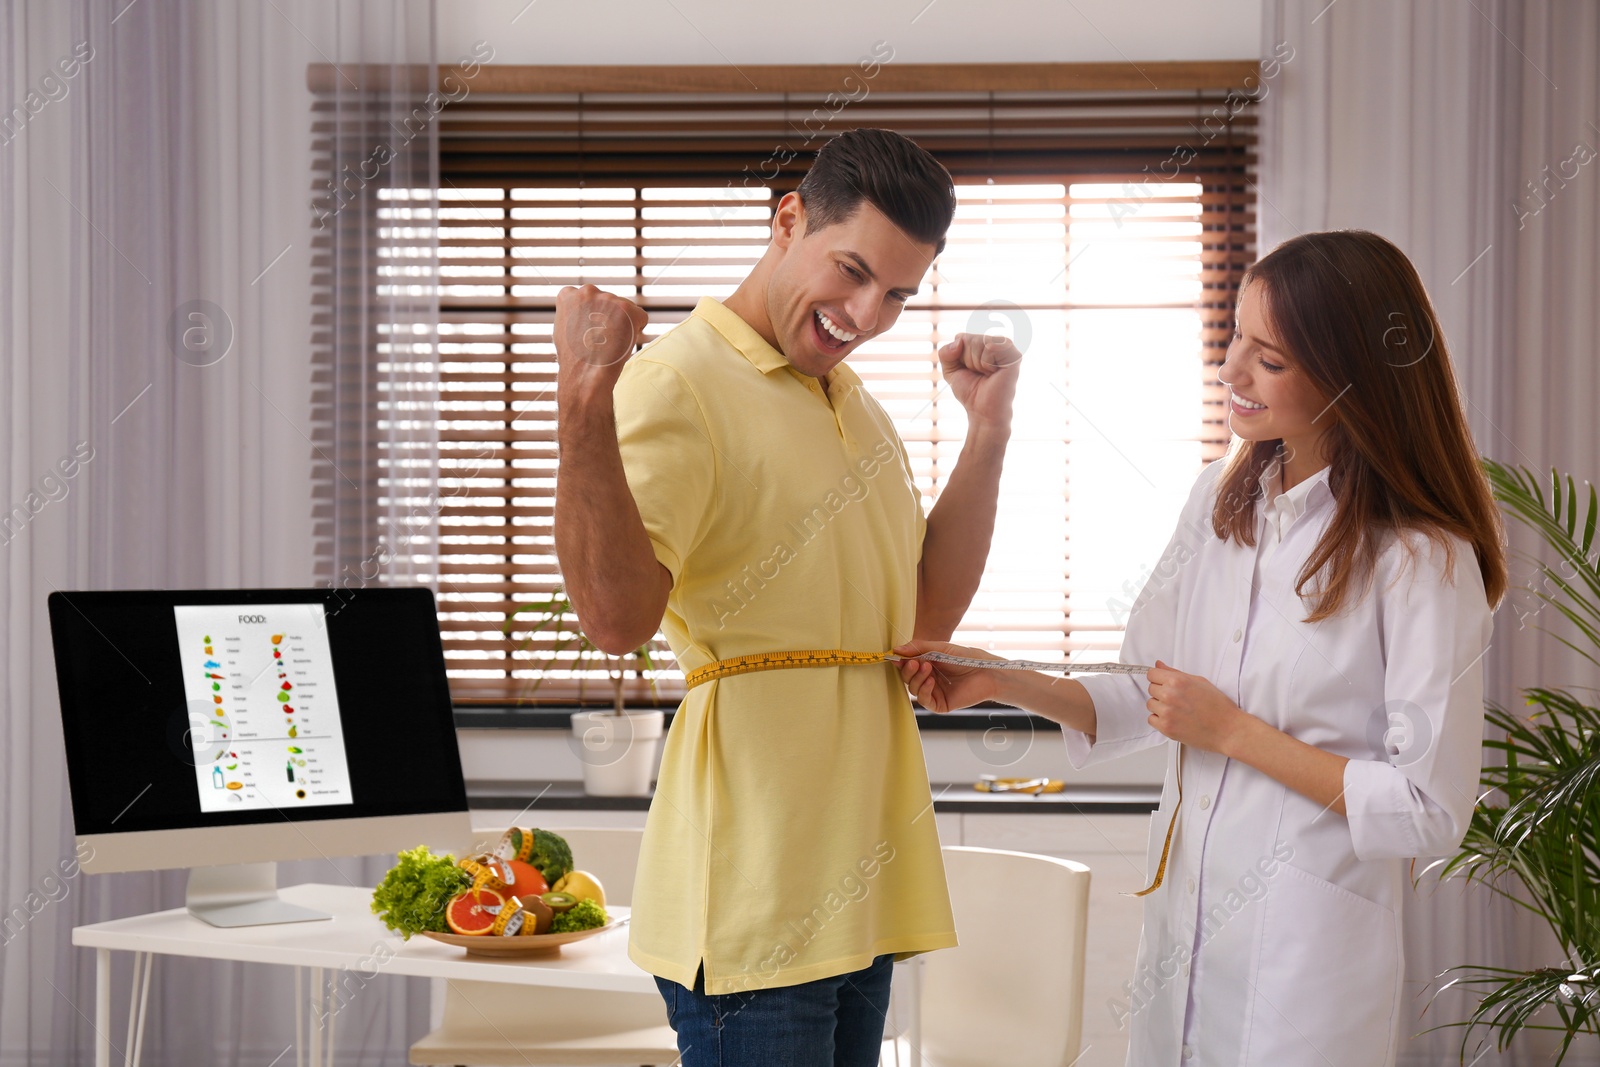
{"x": 618, "y": 752}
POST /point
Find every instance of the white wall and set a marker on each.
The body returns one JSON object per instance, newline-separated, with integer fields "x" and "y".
{"x": 840, "y": 31}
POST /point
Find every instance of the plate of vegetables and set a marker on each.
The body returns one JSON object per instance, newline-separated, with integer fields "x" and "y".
{"x": 523, "y": 898}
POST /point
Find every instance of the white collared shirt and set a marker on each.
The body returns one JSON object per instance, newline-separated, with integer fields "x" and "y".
{"x": 1284, "y": 506}
{"x": 1274, "y": 938}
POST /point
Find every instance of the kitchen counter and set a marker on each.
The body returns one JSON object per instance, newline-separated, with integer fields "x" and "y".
{"x": 950, "y": 797}
{"x": 982, "y": 717}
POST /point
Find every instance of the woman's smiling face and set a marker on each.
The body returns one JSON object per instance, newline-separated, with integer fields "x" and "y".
{"x": 1270, "y": 397}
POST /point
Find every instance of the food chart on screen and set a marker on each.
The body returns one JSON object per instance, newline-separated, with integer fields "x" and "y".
{"x": 263, "y": 710}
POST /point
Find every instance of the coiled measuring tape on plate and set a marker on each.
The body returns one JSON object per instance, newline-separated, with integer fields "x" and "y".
{"x": 510, "y": 920}
{"x": 483, "y": 873}
{"x": 835, "y": 657}
{"x": 516, "y": 844}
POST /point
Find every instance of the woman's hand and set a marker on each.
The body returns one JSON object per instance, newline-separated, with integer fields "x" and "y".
{"x": 942, "y": 687}
{"x": 1192, "y": 711}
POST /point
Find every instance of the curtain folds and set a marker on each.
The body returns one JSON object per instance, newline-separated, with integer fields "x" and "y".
{"x": 157, "y": 332}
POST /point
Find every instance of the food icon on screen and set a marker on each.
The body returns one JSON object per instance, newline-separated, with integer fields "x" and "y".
{"x": 277, "y": 639}
{"x": 235, "y": 785}
{"x": 213, "y": 665}
{"x": 216, "y": 778}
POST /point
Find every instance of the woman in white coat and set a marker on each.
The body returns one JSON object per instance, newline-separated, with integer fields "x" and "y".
{"x": 1318, "y": 623}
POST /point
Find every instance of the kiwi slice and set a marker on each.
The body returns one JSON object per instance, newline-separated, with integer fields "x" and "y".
{"x": 559, "y": 902}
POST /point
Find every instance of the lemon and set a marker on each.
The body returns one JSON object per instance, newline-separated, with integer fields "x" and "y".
{"x": 582, "y": 885}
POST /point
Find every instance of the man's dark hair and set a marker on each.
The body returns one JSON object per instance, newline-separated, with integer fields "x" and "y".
{"x": 903, "y": 181}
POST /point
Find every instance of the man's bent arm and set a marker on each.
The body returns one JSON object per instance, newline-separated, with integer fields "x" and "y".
{"x": 617, "y": 586}
{"x": 955, "y": 545}
{"x": 615, "y": 583}
{"x": 982, "y": 373}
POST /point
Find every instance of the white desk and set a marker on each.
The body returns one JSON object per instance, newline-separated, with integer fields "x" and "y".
{"x": 354, "y": 943}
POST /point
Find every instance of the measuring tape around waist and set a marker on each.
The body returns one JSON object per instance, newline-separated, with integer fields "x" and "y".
{"x": 773, "y": 661}
{"x": 835, "y": 657}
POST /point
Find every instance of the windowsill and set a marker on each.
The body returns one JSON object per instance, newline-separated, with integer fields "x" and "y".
{"x": 513, "y": 717}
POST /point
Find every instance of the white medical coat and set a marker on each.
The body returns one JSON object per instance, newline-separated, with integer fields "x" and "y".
{"x": 1274, "y": 939}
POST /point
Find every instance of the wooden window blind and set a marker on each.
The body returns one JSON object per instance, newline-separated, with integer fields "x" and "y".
{"x": 1106, "y": 231}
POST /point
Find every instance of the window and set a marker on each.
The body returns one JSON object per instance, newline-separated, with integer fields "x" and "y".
{"x": 1114, "y": 269}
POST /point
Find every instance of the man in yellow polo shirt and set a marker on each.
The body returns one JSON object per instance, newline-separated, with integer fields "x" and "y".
{"x": 735, "y": 485}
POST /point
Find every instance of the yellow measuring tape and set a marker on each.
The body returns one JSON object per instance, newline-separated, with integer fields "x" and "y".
{"x": 835, "y": 657}
{"x": 1166, "y": 846}
{"x": 775, "y": 661}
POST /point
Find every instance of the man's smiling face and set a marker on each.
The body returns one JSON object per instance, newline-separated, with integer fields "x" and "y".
{"x": 836, "y": 287}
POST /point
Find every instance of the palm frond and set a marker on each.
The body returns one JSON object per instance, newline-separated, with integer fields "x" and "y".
{"x": 1534, "y": 836}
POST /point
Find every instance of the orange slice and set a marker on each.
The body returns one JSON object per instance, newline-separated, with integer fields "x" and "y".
{"x": 468, "y": 912}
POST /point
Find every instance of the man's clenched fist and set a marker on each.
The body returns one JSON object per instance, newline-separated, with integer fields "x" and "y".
{"x": 595, "y": 333}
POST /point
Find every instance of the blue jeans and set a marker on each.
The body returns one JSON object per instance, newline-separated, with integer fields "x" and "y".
{"x": 832, "y": 1022}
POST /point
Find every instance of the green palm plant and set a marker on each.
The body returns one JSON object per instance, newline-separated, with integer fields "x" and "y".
{"x": 1534, "y": 837}
{"x": 553, "y": 615}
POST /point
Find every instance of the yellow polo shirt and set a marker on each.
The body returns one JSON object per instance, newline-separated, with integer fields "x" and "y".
{"x": 792, "y": 834}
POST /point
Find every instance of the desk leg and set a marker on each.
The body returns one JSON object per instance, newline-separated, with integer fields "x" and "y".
{"x": 144, "y": 1003}
{"x": 102, "y": 1008}
{"x": 319, "y": 992}
{"x": 915, "y": 1031}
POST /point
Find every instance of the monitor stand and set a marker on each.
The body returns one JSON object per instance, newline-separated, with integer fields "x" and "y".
{"x": 242, "y": 894}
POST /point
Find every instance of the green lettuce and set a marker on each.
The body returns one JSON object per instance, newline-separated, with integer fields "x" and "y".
{"x": 413, "y": 896}
{"x": 584, "y": 915}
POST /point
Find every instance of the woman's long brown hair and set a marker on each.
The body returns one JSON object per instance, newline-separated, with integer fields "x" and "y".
{"x": 1353, "y": 316}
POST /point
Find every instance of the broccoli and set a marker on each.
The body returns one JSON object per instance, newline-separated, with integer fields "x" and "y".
{"x": 414, "y": 894}
{"x": 584, "y": 915}
{"x": 551, "y": 854}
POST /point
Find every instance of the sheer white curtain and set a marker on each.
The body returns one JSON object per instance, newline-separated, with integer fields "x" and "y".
{"x": 1451, "y": 129}
{"x": 156, "y": 329}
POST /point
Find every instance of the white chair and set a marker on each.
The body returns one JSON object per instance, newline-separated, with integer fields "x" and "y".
{"x": 1012, "y": 993}
{"x": 488, "y": 1024}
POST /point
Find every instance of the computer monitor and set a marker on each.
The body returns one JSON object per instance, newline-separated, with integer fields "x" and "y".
{"x": 224, "y": 730}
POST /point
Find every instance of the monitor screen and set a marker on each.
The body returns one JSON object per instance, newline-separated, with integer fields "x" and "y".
{"x": 190, "y": 709}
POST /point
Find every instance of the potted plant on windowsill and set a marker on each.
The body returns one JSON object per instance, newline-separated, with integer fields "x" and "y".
{"x": 616, "y": 747}
{"x": 1534, "y": 837}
